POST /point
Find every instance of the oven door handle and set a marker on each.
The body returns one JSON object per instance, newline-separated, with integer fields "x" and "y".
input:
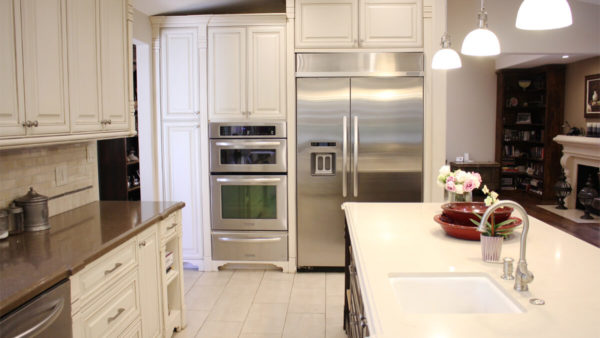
{"x": 249, "y": 240}
{"x": 55, "y": 311}
{"x": 249, "y": 180}
{"x": 248, "y": 143}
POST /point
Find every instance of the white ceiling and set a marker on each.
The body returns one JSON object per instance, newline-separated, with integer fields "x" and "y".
{"x": 161, "y": 7}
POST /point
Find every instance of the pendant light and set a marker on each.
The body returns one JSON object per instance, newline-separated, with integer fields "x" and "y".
{"x": 481, "y": 41}
{"x": 446, "y": 58}
{"x": 544, "y": 15}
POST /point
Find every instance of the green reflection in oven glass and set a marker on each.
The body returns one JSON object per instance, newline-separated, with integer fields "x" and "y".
{"x": 249, "y": 201}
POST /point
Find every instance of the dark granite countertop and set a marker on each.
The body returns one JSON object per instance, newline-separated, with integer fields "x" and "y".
{"x": 31, "y": 262}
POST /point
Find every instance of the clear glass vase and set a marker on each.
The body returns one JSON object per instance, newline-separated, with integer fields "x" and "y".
{"x": 464, "y": 197}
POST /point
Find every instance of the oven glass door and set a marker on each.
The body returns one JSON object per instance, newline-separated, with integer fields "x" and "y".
{"x": 249, "y": 202}
{"x": 248, "y": 155}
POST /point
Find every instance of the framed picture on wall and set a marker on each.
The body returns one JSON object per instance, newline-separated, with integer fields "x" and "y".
{"x": 592, "y": 96}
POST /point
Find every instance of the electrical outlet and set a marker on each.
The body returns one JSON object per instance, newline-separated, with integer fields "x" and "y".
{"x": 91, "y": 153}
{"x": 61, "y": 175}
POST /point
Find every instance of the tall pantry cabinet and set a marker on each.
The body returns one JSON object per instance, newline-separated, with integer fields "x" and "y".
{"x": 208, "y": 68}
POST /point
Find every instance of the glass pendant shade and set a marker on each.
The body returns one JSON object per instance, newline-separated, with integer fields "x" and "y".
{"x": 481, "y": 41}
{"x": 544, "y": 15}
{"x": 446, "y": 58}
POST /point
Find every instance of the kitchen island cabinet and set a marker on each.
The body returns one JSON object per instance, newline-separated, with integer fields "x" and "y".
{"x": 113, "y": 252}
{"x": 391, "y": 238}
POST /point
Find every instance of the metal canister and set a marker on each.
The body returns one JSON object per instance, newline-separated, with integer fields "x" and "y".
{"x": 16, "y": 222}
{"x": 3, "y": 224}
{"x": 35, "y": 210}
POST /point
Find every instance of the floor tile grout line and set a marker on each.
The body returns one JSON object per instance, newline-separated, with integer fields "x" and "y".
{"x": 216, "y": 301}
{"x": 252, "y": 303}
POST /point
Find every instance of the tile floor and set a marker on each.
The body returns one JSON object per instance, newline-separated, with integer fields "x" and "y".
{"x": 263, "y": 304}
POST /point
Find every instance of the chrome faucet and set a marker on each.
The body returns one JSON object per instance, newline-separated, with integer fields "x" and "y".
{"x": 522, "y": 275}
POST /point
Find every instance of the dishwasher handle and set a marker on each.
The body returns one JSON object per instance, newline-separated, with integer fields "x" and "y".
{"x": 55, "y": 310}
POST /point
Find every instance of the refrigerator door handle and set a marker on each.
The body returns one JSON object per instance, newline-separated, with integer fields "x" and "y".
{"x": 355, "y": 148}
{"x": 344, "y": 156}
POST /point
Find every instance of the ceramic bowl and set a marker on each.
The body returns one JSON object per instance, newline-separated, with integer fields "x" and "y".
{"x": 467, "y": 232}
{"x": 463, "y": 212}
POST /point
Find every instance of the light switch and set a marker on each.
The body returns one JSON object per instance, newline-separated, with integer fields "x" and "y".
{"x": 61, "y": 175}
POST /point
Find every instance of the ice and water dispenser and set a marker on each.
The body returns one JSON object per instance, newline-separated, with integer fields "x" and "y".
{"x": 322, "y": 162}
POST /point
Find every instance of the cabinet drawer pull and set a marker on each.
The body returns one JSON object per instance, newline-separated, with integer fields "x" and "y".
{"x": 172, "y": 226}
{"x": 142, "y": 244}
{"x": 117, "y": 265}
{"x": 121, "y": 310}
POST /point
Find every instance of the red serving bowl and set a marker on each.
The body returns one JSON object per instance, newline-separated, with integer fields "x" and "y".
{"x": 463, "y": 212}
{"x": 467, "y": 232}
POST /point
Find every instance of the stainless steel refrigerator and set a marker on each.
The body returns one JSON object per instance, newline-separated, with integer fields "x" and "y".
{"x": 359, "y": 138}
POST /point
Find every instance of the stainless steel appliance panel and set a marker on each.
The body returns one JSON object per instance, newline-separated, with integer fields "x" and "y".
{"x": 359, "y": 64}
{"x": 387, "y": 139}
{"x": 250, "y": 246}
{"x": 248, "y": 202}
{"x": 248, "y": 155}
{"x": 247, "y": 129}
{"x": 47, "y": 315}
{"x": 323, "y": 110}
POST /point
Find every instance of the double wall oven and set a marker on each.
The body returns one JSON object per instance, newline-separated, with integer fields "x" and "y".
{"x": 248, "y": 164}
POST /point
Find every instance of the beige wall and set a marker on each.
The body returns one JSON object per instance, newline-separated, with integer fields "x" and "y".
{"x": 574, "y": 90}
{"x": 35, "y": 167}
{"x": 471, "y": 93}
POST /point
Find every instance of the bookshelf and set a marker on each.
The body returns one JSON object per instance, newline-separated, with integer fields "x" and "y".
{"x": 529, "y": 114}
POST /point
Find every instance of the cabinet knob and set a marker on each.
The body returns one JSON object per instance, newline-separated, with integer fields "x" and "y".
{"x": 26, "y": 124}
{"x": 109, "y": 121}
{"x": 142, "y": 244}
{"x": 35, "y": 123}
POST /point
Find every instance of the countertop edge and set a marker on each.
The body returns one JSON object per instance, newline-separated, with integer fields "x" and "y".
{"x": 18, "y": 299}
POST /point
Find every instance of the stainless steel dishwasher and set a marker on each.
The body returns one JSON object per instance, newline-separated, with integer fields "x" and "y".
{"x": 46, "y": 315}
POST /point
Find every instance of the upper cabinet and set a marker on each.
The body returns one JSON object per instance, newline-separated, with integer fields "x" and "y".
{"x": 179, "y": 83}
{"x": 68, "y": 65}
{"x": 327, "y": 24}
{"x": 44, "y": 62}
{"x": 246, "y": 72}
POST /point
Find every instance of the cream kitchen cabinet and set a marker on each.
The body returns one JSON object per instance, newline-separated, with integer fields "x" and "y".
{"x": 179, "y": 58}
{"x": 327, "y": 24}
{"x": 127, "y": 292}
{"x": 182, "y": 181}
{"x": 67, "y": 71}
{"x": 98, "y": 72}
{"x": 246, "y": 72}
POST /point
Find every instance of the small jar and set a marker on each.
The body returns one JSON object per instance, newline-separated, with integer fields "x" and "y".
{"x": 3, "y": 224}
{"x": 16, "y": 220}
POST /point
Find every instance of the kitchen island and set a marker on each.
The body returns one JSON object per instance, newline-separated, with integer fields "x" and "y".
{"x": 32, "y": 262}
{"x": 390, "y": 238}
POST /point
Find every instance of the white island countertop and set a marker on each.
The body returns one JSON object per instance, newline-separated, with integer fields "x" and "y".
{"x": 392, "y": 238}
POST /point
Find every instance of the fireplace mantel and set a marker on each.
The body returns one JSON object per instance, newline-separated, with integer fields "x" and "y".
{"x": 577, "y": 150}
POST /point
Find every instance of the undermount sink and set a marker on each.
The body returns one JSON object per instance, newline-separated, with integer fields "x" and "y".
{"x": 451, "y": 293}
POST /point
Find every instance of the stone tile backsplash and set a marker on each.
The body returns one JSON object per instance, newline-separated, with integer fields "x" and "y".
{"x": 37, "y": 168}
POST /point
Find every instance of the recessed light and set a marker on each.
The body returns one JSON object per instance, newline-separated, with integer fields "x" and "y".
{"x": 565, "y": 56}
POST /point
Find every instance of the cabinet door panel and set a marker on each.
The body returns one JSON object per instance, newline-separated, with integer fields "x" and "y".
{"x": 181, "y": 158}
{"x": 84, "y": 94}
{"x": 390, "y": 23}
{"x": 226, "y": 72}
{"x": 113, "y": 62}
{"x": 326, "y": 24}
{"x": 44, "y": 60}
{"x": 11, "y": 110}
{"x": 179, "y": 66}
{"x": 150, "y": 285}
{"x": 266, "y": 72}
